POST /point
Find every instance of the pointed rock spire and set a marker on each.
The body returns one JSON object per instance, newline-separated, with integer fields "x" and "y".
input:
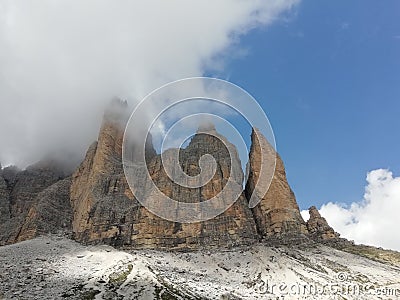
{"x": 318, "y": 227}
{"x": 277, "y": 213}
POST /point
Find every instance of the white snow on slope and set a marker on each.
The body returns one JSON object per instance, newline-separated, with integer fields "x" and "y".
{"x": 58, "y": 268}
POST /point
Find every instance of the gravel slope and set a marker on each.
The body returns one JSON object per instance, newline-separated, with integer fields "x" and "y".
{"x": 55, "y": 267}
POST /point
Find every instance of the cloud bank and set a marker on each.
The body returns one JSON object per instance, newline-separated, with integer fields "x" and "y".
{"x": 62, "y": 61}
{"x": 374, "y": 220}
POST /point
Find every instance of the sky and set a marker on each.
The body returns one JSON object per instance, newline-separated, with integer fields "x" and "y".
{"x": 61, "y": 63}
{"x": 327, "y": 76}
{"x": 328, "y": 79}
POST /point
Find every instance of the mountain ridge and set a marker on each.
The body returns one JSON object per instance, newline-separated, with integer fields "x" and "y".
{"x": 102, "y": 208}
{"x": 85, "y": 235}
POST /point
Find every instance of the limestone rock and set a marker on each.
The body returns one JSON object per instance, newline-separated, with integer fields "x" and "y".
{"x": 9, "y": 174}
{"x": 4, "y": 201}
{"x": 235, "y": 226}
{"x": 30, "y": 182}
{"x": 98, "y": 206}
{"x": 318, "y": 227}
{"x": 23, "y": 187}
{"x": 103, "y": 206}
{"x": 50, "y": 213}
{"x": 105, "y": 209}
{"x": 98, "y": 186}
{"x": 277, "y": 213}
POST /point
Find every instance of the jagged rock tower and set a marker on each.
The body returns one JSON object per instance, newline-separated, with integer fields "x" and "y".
{"x": 105, "y": 210}
{"x": 277, "y": 213}
{"x": 97, "y": 205}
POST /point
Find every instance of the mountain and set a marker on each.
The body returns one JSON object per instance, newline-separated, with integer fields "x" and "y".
{"x": 106, "y": 211}
{"x": 54, "y": 267}
{"x": 260, "y": 241}
{"x": 21, "y": 192}
{"x": 277, "y": 213}
{"x": 96, "y": 205}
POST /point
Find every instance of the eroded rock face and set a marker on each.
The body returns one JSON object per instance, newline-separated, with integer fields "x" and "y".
{"x": 99, "y": 193}
{"x": 235, "y": 226}
{"x": 9, "y": 174}
{"x": 30, "y": 182}
{"x": 100, "y": 197}
{"x": 105, "y": 210}
{"x": 277, "y": 213}
{"x": 24, "y": 187}
{"x": 318, "y": 227}
{"x": 98, "y": 206}
{"x": 50, "y": 212}
{"x": 4, "y": 201}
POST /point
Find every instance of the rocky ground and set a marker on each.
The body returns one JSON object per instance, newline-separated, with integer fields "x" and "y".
{"x": 55, "y": 267}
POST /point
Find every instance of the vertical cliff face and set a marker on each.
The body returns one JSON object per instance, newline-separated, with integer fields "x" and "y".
{"x": 30, "y": 182}
{"x": 106, "y": 211}
{"x": 277, "y": 213}
{"x": 99, "y": 192}
{"x": 98, "y": 206}
{"x": 233, "y": 227}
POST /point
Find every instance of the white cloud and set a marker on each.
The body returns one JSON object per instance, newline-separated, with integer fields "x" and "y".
{"x": 62, "y": 61}
{"x": 374, "y": 220}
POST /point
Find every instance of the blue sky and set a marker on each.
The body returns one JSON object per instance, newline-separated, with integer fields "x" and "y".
{"x": 328, "y": 77}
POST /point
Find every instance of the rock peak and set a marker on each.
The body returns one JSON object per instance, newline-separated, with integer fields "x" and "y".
{"x": 314, "y": 213}
{"x": 103, "y": 208}
{"x": 106, "y": 210}
{"x": 277, "y": 212}
{"x": 318, "y": 227}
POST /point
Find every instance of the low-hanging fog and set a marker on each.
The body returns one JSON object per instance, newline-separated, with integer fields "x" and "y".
{"x": 62, "y": 61}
